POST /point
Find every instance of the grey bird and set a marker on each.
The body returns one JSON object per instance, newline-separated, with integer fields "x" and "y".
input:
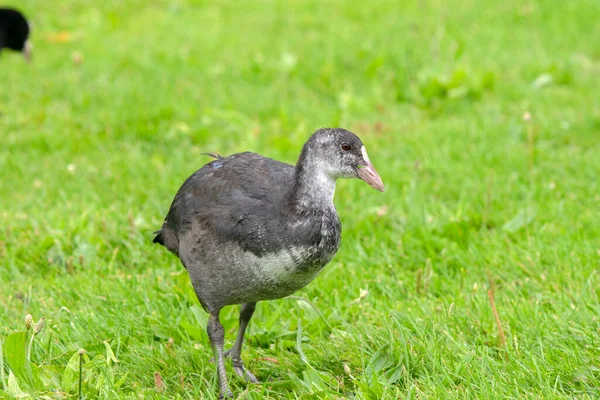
{"x": 249, "y": 228}
{"x": 14, "y": 32}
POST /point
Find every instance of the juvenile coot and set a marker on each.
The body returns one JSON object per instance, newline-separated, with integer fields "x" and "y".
{"x": 14, "y": 32}
{"x": 249, "y": 228}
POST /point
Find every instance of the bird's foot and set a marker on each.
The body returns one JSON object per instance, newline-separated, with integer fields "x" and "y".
{"x": 238, "y": 367}
{"x": 242, "y": 371}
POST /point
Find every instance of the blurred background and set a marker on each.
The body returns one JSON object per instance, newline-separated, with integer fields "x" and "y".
{"x": 482, "y": 118}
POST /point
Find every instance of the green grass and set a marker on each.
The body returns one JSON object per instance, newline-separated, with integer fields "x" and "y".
{"x": 122, "y": 97}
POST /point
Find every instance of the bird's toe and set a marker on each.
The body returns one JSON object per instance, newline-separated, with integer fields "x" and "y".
{"x": 250, "y": 377}
{"x": 243, "y": 372}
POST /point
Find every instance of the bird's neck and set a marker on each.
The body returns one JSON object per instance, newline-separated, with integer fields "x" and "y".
{"x": 313, "y": 189}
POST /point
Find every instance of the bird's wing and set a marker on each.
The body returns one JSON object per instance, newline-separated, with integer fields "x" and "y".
{"x": 236, "y": 198}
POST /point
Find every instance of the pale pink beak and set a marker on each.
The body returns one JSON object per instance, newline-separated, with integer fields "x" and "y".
{"x": 369, "y": 174}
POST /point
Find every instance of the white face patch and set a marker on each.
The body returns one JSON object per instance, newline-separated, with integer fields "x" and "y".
{"x": 363, "y": 150}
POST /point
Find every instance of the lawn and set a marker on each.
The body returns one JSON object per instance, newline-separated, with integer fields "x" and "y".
{"x": 482, "y": 118}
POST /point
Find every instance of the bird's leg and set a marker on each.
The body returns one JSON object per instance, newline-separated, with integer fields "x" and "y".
{"x": 216, "y": 334}
{"x": 235, "y": 352}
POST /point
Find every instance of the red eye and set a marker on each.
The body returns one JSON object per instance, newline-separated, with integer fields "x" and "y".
{"x": 346, "y": 147}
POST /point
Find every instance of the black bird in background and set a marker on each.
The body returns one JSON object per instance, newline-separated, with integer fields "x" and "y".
{"x": 14, "y": 32}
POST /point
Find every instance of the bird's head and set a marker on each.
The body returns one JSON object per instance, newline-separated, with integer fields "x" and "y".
{"x": 341, "y": 154}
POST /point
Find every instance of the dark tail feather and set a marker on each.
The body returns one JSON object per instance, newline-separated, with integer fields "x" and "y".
{"x": 165, "y": 237}
{"x": 159, "y": 238}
